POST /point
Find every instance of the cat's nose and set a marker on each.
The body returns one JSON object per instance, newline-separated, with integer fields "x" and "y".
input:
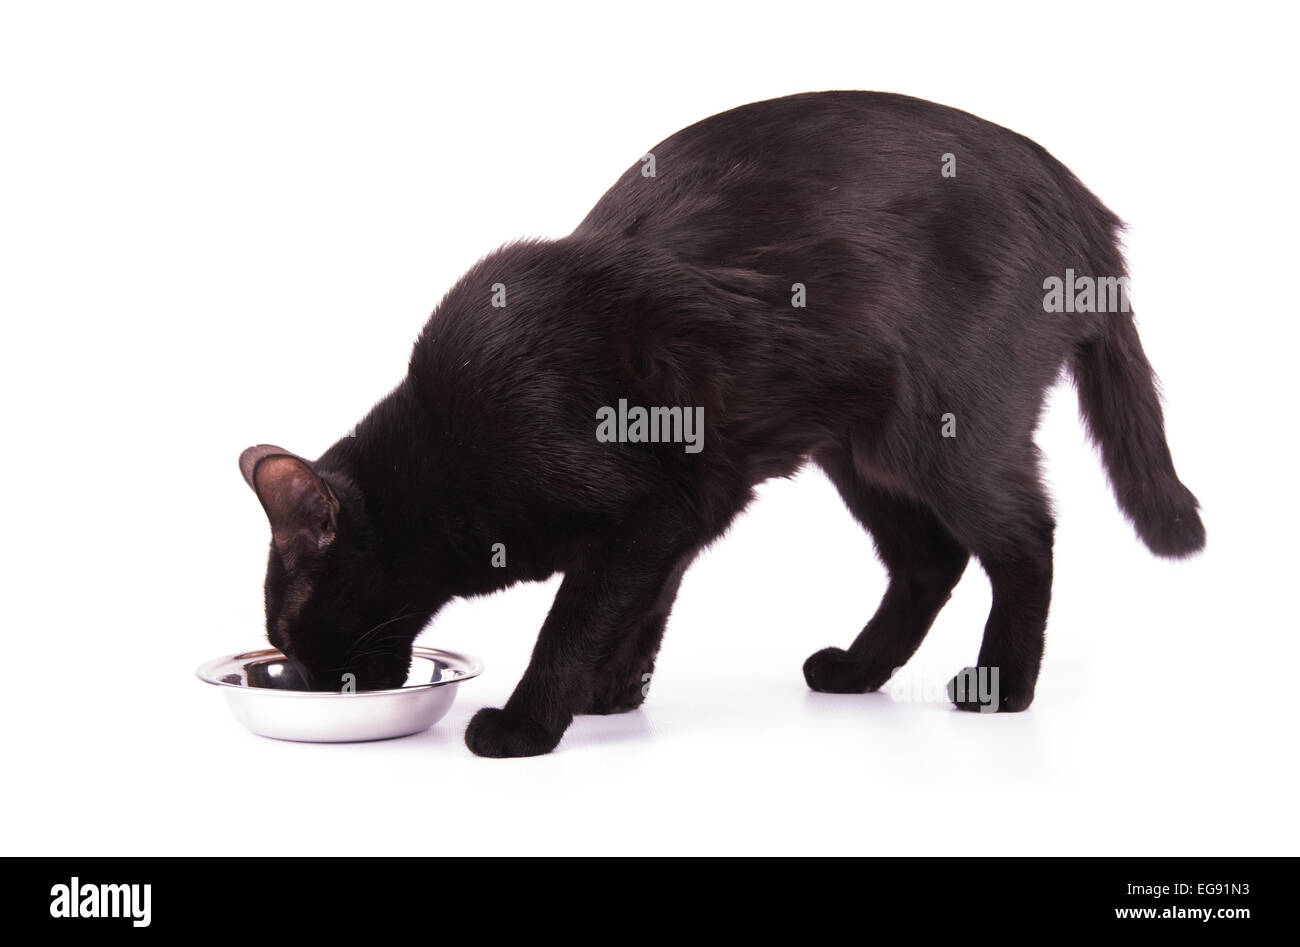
{"x": 299, "y": 672}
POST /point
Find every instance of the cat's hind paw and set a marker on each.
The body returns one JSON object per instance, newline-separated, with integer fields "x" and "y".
{"x": 835, "y": 671}
{"x": 979, "y": 690}
{"x": 501, "y": 733}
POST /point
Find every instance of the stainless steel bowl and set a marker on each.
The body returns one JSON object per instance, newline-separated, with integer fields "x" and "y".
{"x": 259, "y": 687}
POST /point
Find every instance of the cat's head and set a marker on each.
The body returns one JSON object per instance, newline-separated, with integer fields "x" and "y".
{"x": 328, "y": 604}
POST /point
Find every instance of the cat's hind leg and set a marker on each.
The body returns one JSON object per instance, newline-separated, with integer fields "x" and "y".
{"x": 924, "y": 561}
{"x": 1012, "y": 538}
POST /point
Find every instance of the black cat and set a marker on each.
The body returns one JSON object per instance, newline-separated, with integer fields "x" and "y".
{"x": 879, "y": 284}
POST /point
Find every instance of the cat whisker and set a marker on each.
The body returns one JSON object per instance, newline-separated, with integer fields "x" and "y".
{"x": 364, "y": 639}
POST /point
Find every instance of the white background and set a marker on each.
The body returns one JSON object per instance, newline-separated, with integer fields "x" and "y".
{"x": 224, "y": 224}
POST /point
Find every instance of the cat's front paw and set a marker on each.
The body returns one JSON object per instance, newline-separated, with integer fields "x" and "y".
{"x": 981, "y": 690}
{"x": 502, "y": 733}
{"x": 835, "y": 671}
{"x": 618, "y": 694}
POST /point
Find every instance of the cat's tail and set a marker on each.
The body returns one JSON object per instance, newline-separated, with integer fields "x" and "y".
{"x": 1119, "y": 402}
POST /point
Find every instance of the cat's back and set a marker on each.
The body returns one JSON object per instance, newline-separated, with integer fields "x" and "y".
{"x": 824, "y": 164}
{"x": 823, "y": 129}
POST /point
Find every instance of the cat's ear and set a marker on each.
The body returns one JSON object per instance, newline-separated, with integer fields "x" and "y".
{"x": 303, "y": 510}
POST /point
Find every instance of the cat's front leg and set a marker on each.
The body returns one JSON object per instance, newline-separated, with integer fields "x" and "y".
{"x": 620, "y": 689}
{"x": 622, "y": 685}
{"x": 597, "y": 623}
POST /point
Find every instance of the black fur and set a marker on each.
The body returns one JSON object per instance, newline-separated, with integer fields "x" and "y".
{"x": 924, "y": 297}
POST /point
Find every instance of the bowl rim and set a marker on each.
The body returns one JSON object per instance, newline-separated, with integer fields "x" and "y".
{"x": 468, "y": 666}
